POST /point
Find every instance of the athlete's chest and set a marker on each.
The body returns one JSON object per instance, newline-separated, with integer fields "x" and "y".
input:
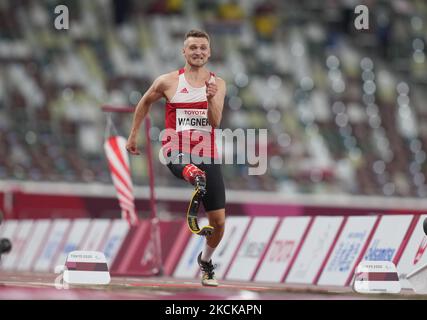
{"x": 185, "y": 93}
{"x": 185, "y": 90}
{"x": 187, "y": 108}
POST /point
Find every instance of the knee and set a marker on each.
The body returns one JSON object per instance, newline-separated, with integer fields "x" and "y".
{"x": 218, "y": 222}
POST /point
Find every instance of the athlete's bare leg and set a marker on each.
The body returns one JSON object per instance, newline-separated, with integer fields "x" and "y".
{"x": 217, "y": 221}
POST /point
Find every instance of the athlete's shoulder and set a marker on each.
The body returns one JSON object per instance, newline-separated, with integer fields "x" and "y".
{"x": 166, "y": 80}
{"x": 220, "y": 83}
{"x": 218, "y": 79}
{"x": 167, "y": 77}
{"x": 174, "y": 75}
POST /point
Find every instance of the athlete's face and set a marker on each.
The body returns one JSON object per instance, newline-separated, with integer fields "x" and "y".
{"x": 196, "y": 51}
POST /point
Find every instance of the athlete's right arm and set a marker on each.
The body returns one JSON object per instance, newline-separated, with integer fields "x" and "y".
{"x": 154, "y": 93}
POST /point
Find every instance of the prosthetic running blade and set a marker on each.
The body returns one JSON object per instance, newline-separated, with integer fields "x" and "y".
{"x": 192, "y": 211}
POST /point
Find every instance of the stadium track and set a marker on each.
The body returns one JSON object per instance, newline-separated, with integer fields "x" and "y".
{"x": 45, "y": 286}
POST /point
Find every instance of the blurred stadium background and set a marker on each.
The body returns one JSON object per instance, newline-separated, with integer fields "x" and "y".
{"x": 345, "y": 109}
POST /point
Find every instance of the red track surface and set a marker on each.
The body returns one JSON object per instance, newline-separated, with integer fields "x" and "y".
{"x": 47, "y": 286}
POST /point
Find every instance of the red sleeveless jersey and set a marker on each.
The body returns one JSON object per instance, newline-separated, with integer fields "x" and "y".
{"x": 187, "y": 115}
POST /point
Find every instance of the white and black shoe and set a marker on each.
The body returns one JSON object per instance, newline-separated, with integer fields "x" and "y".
{"x": 208, "y": 275}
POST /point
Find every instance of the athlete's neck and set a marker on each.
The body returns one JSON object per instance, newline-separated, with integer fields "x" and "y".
{"x": 194, "y": 73}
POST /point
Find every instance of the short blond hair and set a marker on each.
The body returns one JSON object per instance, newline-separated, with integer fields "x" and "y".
{"x": 197, "y": 34}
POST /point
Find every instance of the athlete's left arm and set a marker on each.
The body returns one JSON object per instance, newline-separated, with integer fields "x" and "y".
{"x": 215, "y": 92}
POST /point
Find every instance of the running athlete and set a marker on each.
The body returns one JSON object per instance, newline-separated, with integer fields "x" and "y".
{"x": 194, "y": 103}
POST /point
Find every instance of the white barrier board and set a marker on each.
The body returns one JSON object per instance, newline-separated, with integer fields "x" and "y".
{"x": 415, "y": 254}
{"x": 8, "y": 230}
{"x": 115, "y": 239}
{"x": 314, "y": 250}
{"x": 79, "y": 229}
{"x": 33, "y": 244}
{"x": 96, "y": 235}
{"x": 10, "y": 260}
{"x": 282, "y": 249}
{"x": 388, "y": 238}
{"x": 344, "y": 257}
{"x": 253, "y": 246}
{"x": 52, "y": 245}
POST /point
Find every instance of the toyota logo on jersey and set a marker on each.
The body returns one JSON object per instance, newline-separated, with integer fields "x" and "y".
{"x": 192, "y": 119}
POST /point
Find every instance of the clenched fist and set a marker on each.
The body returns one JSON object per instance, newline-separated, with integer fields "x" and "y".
{"x": 131, "y": 146}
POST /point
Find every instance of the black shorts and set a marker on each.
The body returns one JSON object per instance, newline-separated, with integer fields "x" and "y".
{"x": 214, "y": 198}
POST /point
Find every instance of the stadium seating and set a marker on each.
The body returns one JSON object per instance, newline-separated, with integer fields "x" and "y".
{"x": 344, "y": 108}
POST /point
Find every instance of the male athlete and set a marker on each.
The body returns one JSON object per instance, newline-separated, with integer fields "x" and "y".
{"x": 194, "y": 102}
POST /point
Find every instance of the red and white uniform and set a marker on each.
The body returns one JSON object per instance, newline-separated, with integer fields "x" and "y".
{"x": 187, "y": 114}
